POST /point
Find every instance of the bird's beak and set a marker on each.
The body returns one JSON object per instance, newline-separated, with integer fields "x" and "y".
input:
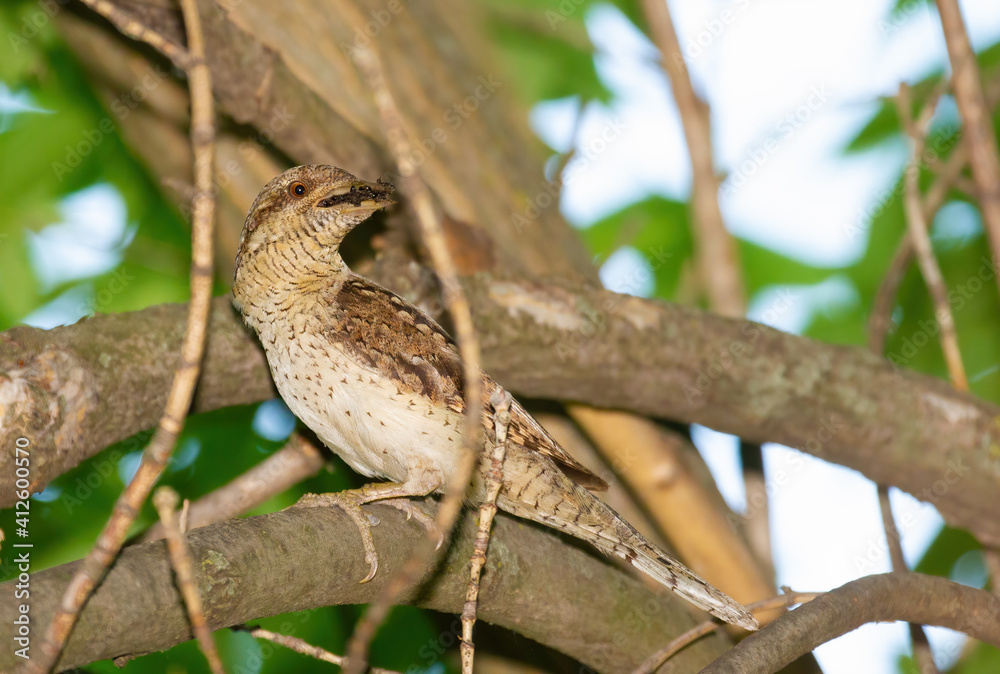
{"x": 358, "y": 195}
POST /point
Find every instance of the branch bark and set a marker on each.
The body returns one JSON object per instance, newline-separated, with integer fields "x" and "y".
{"x": 534, "y": 583}
{"x": 913, "y": 597}
{"x": 73, "y": 390}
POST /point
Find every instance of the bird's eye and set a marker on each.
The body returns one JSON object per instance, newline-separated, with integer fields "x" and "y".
{"x": 297, "y": 190}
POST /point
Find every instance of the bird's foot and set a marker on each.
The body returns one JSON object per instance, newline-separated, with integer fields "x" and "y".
{"x": 350, "y": 502}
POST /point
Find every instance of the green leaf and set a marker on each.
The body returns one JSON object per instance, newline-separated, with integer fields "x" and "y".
{"x": 659, "y": 228}
{"x": 545, "y": 48}
{"x": 763, "y": 267}
{"x": 941, "y": 555}
{"x": 981, "y": 659}
{"x": 904, "y": 8}
{"x": 883, "y": 126}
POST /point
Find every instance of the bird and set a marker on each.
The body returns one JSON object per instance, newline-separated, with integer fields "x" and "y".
{"x": 381, "y": 383}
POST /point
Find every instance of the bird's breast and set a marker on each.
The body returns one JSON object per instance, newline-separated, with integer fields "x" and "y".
{"x": 380, "y": 428}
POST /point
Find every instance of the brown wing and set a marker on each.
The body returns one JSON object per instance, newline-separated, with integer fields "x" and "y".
{"x": 394, "y": 337}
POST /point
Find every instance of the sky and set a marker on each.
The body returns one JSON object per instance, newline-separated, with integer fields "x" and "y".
{"x": 805, "y": 76}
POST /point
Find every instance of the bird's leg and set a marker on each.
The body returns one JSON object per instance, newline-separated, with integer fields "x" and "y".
{"x": 395, "y": 494}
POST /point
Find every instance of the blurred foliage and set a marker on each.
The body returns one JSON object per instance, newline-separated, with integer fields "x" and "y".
{"x": 945, "y": 551}
{"x": 978, "y": 659}
{"x": 544, "y": 46}
{"x": 659, "y": 225}
{"x": 67, "y": 143}
{"x": 60, "y": 151}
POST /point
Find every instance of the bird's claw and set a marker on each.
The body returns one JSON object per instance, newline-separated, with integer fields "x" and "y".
{"x": 350, "y": 502}
{"x": 351, "y": 505}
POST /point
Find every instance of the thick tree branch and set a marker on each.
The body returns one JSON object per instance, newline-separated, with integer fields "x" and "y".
{"x": 534, "y": 583}
{"x": 912, "y": 597}
{"x": 77, "y": 389}
{"x": 73, "y": 390}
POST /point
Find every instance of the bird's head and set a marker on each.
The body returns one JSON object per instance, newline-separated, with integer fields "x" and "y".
{"x": 300, "y": 218}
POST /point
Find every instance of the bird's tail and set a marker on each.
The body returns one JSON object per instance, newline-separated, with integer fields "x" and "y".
{"x": 549, "y": 497}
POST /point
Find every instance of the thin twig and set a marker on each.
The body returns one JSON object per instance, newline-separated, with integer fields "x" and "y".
{"x": 294, "y": 462}
{"x": 919, "y": 214}
{"x": 718, "y": 263}
{"x": 966, "y": 185}
{"x": 656, "y": 660}
{"x": 458, "y": 306}
{"x": 880, "y": 319}
{"x": 129, "y": 26}
{"x": 950, "y": 174}
{"x": 947, "y": 177}
{"x": 892, "y": 534}
{"x": 977, "y": 124}
{"x": 921, "y": 645}
{"x": 885, "y": 297}
{"x": 920, "y": 236}
{"x": 574, "y": 139}
{"x": 96, "y": 564}
{"x": 302, "y": 646}
{"x": 487, "y": 511}
{"x": 185, "y": 512}
{"x": 165, "y": 500}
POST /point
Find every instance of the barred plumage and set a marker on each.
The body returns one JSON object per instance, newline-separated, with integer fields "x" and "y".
{"x": 380, "y": 382}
